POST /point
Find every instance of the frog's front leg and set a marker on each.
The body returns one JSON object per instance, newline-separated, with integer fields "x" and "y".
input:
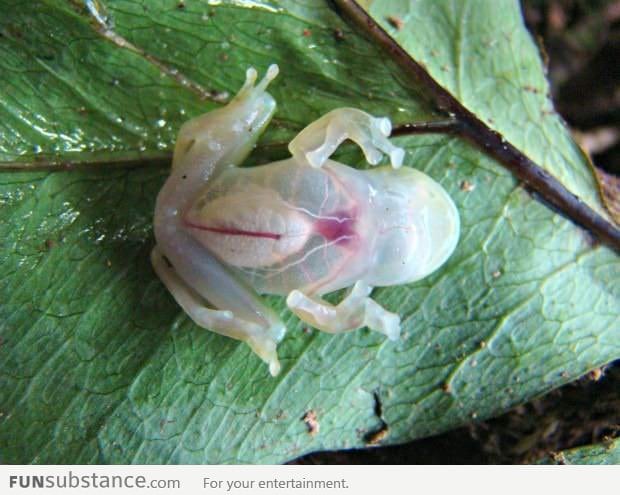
{"x": 316, "y": 143}
{"x": 356, "y": 310}
{"x": 262, "y": 337}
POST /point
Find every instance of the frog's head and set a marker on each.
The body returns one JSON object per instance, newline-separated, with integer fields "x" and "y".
{"x": 418, "y": 226}
{"x": 228, "y": 134}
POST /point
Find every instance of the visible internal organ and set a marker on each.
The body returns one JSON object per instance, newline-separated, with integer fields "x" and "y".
{"x": 258, "y": 229}
{"x": 339, "y": 227}
{"x": 249, "y": 229}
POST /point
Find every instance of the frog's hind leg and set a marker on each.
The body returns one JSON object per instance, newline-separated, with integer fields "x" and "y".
{"x": 356, "y": 310}
{"x": 316, "y": 143}
{"x": 223, "y": 322}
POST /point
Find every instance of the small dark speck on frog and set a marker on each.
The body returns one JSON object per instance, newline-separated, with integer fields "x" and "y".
{"x": 189, "y": 146}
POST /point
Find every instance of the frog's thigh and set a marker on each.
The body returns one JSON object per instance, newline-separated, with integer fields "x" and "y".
{"x": 316, "y": 143}
{"x": 356, "y": 310}
{"x": 223, "y": 322}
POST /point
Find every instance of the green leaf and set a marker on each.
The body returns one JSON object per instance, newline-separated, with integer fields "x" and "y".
{"x": 72, "y": 94}
{"x": 603, "y": 453}
{"x": 482, "y": 54}
{"x": 98, "y": 363}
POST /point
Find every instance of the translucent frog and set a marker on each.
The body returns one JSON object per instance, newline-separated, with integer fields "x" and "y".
{"x": 301, "y": 227}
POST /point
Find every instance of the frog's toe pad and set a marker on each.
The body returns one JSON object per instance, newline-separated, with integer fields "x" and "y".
{"x": 379, "y": 319}
{"x": 266, "y": 349}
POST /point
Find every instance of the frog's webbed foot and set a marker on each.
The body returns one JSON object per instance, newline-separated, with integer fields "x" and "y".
{"x": 316, "y": 143}
{"x": 356, "y": 310}
{"x": 223, "y": 322}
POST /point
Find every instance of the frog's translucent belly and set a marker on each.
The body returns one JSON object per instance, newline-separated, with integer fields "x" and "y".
{"x": 285, "y": 226}
{"x": 250, "y": 229}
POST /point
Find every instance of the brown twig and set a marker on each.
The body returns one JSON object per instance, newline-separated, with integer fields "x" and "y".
{"x": 52, "y": 163}
{"x": 448, "y": 126}
{"x": 491, "y": 142}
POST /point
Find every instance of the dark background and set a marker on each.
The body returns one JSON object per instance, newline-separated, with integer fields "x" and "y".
{"x": 580, "y": 42}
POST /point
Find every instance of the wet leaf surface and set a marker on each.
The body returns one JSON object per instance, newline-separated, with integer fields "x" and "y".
{"x": 97, "y": 362}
